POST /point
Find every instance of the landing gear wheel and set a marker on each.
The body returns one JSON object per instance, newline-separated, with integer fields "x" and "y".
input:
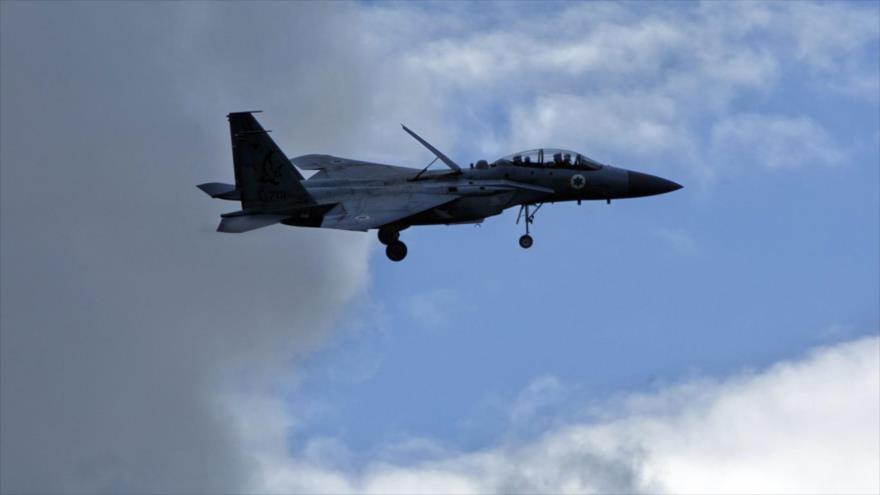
{"x": 387, "y": 236}
{"x": 526, "y": 241}
{"x": 396, "y": 251}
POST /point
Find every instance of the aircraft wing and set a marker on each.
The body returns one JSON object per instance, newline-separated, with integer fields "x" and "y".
{"x": 373, "y": 211}
{"x": 334, "y": 167}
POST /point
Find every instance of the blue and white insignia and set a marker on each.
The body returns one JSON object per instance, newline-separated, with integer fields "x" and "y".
{"x": 362, "y": 217}
{"x": 578, "y": 181}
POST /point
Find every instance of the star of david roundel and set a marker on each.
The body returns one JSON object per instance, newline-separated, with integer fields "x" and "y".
{"x": 578, "y": 181}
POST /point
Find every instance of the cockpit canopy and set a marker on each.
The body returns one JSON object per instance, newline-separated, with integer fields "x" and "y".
{"x": 548, "y": 157}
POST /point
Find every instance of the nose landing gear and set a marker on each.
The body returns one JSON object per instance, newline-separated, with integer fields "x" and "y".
{"x": 526, "y": 240}
{"x": 395, "y": 249}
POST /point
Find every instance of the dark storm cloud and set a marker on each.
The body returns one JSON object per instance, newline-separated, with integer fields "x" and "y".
{"x": 122, "y": 311}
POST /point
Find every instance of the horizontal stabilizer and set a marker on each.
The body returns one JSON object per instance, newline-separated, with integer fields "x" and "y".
{"x": 245, "y": 223}
{"x": 220, "y": 190}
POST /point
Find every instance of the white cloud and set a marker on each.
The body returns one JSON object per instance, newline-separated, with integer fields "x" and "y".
{"x": 646, "y": 125}
{"x": 819, "y": 37}
{"x": 804, "y": 426}
{"x": 540, "y": 394}
{"x": 641, "y": 87}
{"x": 773, "y": 141}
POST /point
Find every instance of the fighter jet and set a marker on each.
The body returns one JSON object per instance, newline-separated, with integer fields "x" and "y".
{"x": 357, "y": 195}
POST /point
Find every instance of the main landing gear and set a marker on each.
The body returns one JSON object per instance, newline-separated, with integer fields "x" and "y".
{"x": 394, "y": 248}
{"x": 526, "y": 241}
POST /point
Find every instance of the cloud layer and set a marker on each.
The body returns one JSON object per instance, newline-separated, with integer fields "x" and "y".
{"x": 125, "y": 317}
{"x": 639, "y": 85}
{"x": 803, "y": 426}
{"x": 143, "y": 352}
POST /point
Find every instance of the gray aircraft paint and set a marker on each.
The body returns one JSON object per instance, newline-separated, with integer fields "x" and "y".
{"x": 357, "y": 195}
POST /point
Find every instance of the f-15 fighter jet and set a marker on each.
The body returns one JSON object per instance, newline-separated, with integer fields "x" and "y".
{"x": 356, "y": 195}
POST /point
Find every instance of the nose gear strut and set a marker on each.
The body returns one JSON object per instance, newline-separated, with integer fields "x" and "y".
{"x": 526, "y": 240}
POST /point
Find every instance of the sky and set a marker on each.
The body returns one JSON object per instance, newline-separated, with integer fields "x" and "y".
{"x": 722, "y": 338}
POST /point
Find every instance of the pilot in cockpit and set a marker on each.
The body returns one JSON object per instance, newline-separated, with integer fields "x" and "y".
{"x": 567, "y": 159}
{"x": 557, "y": 159}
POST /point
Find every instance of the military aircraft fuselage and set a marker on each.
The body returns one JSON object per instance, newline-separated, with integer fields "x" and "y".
{"x": 487, "y": 189}
{"x": 351, "y": 194}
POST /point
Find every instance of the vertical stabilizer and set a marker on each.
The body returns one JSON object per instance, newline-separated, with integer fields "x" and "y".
{"x": 265, "y": 178}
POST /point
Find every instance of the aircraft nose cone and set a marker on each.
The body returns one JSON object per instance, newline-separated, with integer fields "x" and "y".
{"x": 648, "y": 185}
